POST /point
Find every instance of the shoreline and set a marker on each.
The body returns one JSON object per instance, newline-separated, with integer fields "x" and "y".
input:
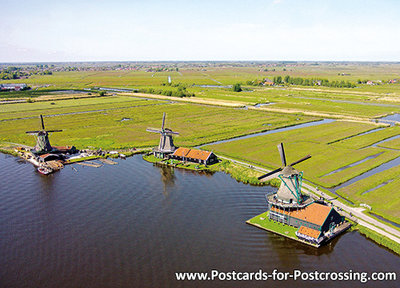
{"x": 236, "y": 170}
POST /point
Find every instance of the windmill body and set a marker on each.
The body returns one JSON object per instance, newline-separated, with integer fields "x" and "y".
{"x": 43, "y": 142}
{"x": 289, "y": 193}
{"x": 166, "y": 145}
{"x": 42, "y": 139}
{"x": 316, "y": 222}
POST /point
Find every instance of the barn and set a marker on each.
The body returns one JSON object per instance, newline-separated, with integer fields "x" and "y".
{"x": 194, "y": 155}
{"x": 313, "y": 220}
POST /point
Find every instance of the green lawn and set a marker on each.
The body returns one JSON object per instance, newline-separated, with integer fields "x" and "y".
{"x": 279, "y": 228}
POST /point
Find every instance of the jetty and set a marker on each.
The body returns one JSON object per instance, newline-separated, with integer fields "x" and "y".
{"x": 90, "y": 164}
{"x": 107, "y": 161}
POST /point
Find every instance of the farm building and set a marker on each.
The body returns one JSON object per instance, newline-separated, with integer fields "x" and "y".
{"x": 313, "y": 220}
{"x": 268, "y": 82}
{"x": 16, "y": 87}
{"x": 194, "y": 155}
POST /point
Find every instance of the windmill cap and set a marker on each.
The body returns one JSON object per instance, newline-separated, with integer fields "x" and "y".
{"x": 289, "y": 171}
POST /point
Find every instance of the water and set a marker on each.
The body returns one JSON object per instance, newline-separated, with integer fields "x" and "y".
{"x": 393, "y": 117}
{"x": 390, "y": 119}
{"x": 135, "y": 225}
{"x": 264, "y": 104}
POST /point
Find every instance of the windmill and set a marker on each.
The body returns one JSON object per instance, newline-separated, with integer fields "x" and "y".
{"x": 42, "y": 138}
{"x": 166, "y": 145}
{"x": 290, "y": 189}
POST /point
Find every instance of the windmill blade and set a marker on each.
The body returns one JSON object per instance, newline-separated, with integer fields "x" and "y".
{"x": 32, "y": 132}
{"x": 163, "y": 122}
{"x": 153, "y": 130}
{"x": 269, "y": 173}
{"x": 54, "y": 130}
{"x": 171, "y": 132}
{"x": 41, "y": 118}
{"x": 282, "y": 153}
{"x": 301, "y": 160}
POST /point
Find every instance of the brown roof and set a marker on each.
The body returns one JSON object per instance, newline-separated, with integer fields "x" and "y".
{"x": 192, "y": 153}
{"x": 309, "y": 232}
{"x": 313, "y": 213}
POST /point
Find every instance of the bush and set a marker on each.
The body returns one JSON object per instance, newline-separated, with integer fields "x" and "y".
{"x": 237, "y": 87}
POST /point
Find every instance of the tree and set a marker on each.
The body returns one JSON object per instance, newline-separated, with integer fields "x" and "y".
{"x": 237, "y": 87}
{"x": 287, "y": 79}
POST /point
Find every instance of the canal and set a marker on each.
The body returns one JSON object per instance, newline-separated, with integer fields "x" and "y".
{"x": 135, "y": 225}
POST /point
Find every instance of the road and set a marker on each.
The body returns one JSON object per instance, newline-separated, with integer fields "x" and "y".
{"x": 363, "y": 219}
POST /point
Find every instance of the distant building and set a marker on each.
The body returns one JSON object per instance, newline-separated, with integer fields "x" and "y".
{"x": 15, "y": 87}
{"x": 194, "y": 155}
{"x": 268, "y": 82}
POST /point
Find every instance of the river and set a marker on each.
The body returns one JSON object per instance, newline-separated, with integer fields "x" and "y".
{"x": 135, "y": 225}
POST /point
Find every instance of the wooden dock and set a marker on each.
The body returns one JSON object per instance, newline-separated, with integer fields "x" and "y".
{"x": 89, "y": 164}
{"x": 107, "y": 161}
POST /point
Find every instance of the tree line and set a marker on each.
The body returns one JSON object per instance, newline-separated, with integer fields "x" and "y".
{"x": 179, "y": 92}
{"x": 312, "y": 82}
{"x": 287, "y": 80}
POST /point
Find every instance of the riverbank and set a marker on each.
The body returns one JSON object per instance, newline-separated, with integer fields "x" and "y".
{"x": 237, "y": 171}
{"x": 379, "y": 239}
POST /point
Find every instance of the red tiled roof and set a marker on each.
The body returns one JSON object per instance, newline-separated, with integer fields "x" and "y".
{"x": 309, "y": 232}
{"x": 192, "y": 153}
{"x": 313, "y": 213}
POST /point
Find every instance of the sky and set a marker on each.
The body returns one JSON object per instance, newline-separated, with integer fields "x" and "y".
{"x": 151, "y": 30}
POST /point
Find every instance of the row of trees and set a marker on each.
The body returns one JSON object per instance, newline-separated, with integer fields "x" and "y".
{"x": 278, "y": 80}
{"x": 180, "y": 92}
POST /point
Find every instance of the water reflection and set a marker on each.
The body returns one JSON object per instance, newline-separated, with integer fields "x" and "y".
{"x": 167, "y": 178}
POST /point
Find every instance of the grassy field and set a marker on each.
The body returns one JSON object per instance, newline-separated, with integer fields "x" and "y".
{"x": 314, "y": 140}
{"x": 21, "y": 110}
{"x": 197, "y": 124}
{"x": 376, "y": 191}
{"x": 311, "y": 99}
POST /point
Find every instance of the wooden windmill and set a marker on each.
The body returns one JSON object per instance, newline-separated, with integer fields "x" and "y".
{"x": 166, "y": 145}
{"x": 290, "y": 189}
{"x": 42, "y": 138}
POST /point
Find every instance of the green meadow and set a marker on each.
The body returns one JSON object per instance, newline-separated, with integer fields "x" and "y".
{"x": 125, "y": 127}
{"x": 322, "y": 142}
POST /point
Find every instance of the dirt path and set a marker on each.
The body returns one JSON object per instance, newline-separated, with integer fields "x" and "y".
{"x": 195, "y": 100}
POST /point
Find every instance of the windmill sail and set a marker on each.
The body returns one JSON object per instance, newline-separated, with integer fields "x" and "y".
{"x": 42, "y": 138}
{"x": 290, "y": 189}
{"x": 166, "y": 144}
